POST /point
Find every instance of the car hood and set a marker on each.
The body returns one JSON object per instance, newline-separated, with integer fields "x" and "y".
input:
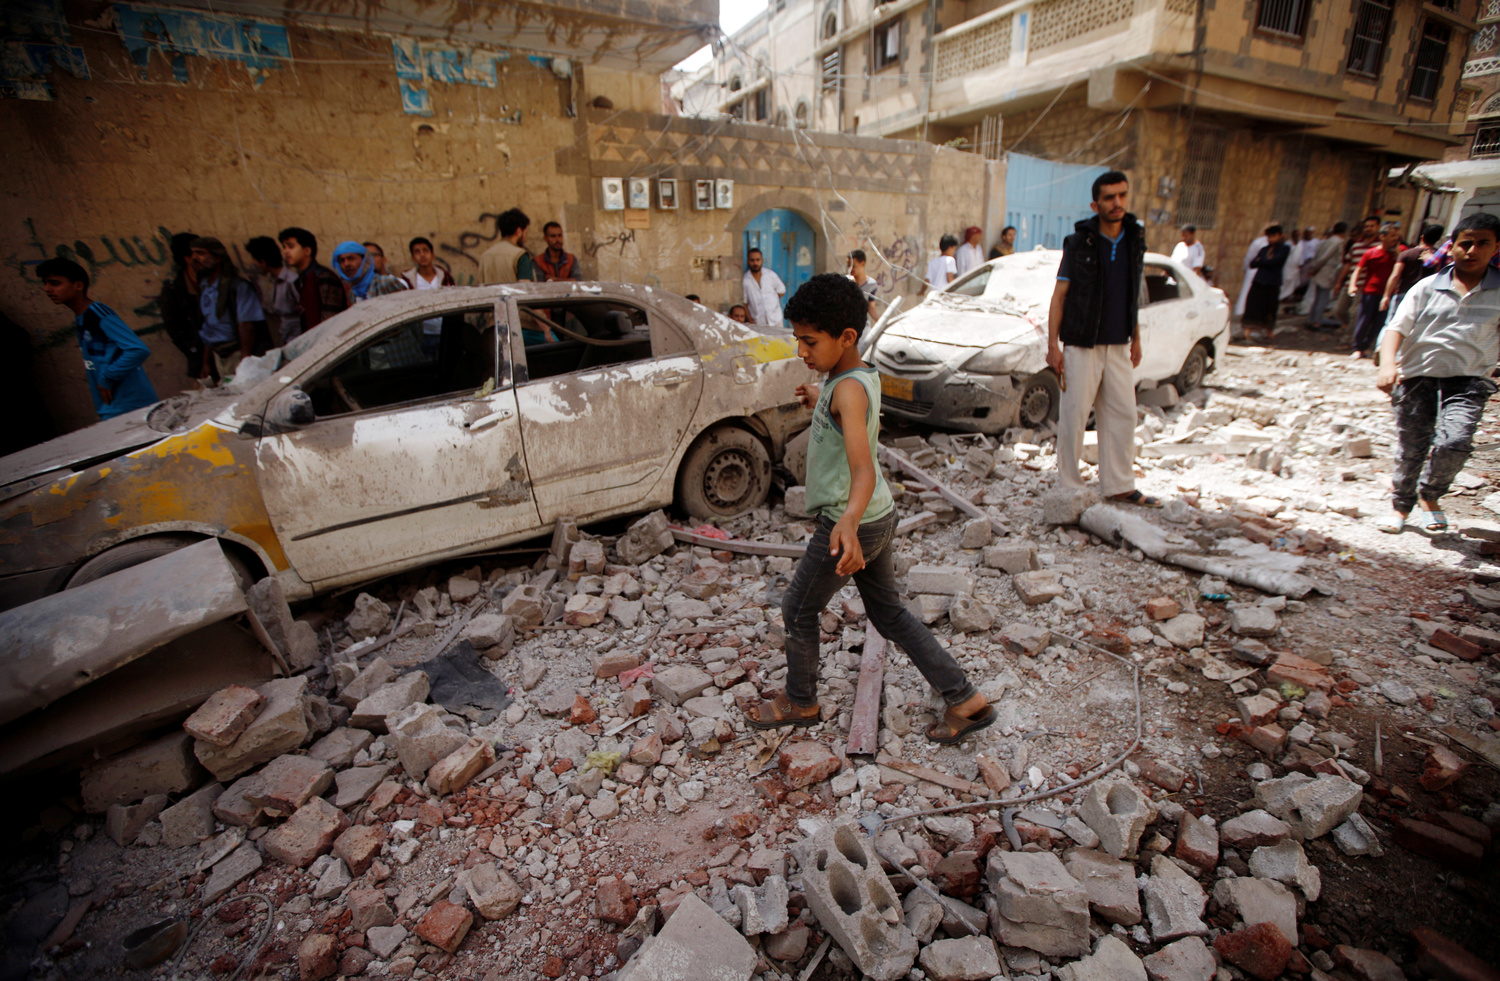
{"x": 951, "y": 329}
{"x": 108, "y": 439}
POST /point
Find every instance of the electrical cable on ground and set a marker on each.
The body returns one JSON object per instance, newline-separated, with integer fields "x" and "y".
{"x": 249, "y": 958}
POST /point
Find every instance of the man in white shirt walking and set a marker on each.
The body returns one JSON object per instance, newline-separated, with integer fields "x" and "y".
{"x": 943, "y": 268}
{"x": 971, "y": 253}
{"x": 763, "y": 291}
{"x": 1190, "y": 251}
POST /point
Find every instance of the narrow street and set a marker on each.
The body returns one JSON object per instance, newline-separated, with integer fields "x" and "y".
{"x": 545, "y": 829}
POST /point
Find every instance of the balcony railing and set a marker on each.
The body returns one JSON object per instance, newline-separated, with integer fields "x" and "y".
{"x": 1018, "y": 32}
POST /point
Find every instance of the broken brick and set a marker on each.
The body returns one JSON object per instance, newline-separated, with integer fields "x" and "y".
{"x": 614, "y": 902}
{"x": 1439, "y": 957}
{"x": 445, "y": 925}
{"x": 1443, "y": 768}
{"x": 1438, "y": 844}
{"x": 1162, "y": 608}
{"x": 1299, "y": 671}
{"x": 1466, "y": 650}
{"x": 582, "y": 712}
{"x": 803, "y": 764}
{"x": 227, "y": 713}
{"x": 1260, "y": 950}
{"x": 359, "y": 846}
{"x": 1164, "y": 775}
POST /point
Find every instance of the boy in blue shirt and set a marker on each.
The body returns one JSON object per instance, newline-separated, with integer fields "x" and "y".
{"x": 856, "y": 521}
{"x": 112, "y": 355}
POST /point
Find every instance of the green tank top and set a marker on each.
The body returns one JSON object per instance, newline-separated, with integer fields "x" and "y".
{"x": 828, "y": 466}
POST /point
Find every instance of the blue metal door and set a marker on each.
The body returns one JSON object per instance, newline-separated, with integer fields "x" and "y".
{"x": 1043, "y": 199}
{"x": 788, "y": 244}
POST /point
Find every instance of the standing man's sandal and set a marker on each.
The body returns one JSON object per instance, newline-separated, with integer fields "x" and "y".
{"x": 954, "y": 727}
{"x": 1434, "y": 522}
{"x": 1392, "y": 524}
{"x": 1137, "y": 498}
{"x": 780, "y": 712}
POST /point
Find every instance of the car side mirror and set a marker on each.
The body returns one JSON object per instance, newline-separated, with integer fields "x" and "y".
{"x": 289, "y": 410}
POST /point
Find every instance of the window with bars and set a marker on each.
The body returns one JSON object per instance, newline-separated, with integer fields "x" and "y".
{"x": 1287, "y": 18}
{"x": 1427, "y": 66}
{"x": 1372, "y": 23}
{"x": 1198, "y": 199}
{"x": 1291, "y": 180}
{"x": 832, "y": 65}
{"x": 887, "y": 38}
{"x": 1486, "y": 142}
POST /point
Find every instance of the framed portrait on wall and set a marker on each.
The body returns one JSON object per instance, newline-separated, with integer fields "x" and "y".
{"x": 666, "y": 194}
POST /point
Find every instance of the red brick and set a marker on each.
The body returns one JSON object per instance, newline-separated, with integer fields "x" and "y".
{"x": 318, "y": 957}
{"x": 1259, "y": 950}
{"x": 614, "y": 902}
{"x": 227, "y": 713}
{"x": 309, "y": 833}
{"x": 743, "y": 825}
{"x": 1440, "y": 958}
{"x": 1269, "y": 739}
{"x": 288, "y": 782}
{"x": 1444, "y": 640}
{"x": 994, "y": 775}
{"x": 1438, "y": 844}
{"x": 1443, "y": 768}
{"x": 583, "y": 713}
{"x": 803, "y": 764}
{"x": 553, "y": 967}
{"x": 772, "y": 789}
{"x": 958, "y": 874}
{"x": 446, "y": 925}
{"x": 1476, "y": 831}
{"x": 636, "y": 701}
{"x": 1164, "y": 775}
{"x": 1301, "y": 672}
{"x": 359, "y": 846}
{"x": 1162, "y": 608}
{"x": 615, "y": 663}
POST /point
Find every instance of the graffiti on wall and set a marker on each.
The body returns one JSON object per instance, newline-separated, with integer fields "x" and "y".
{"x": 619, "y": 240}
{"x": 471, "y": 244}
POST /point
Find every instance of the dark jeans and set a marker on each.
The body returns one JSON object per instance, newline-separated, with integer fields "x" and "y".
{"x": 813, "y": 585}
{"x": 1371, "y": 318}
{"x": 1435, "y": 423}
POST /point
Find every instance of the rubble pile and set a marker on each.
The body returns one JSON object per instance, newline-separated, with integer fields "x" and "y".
{"x": 603, "y": 811}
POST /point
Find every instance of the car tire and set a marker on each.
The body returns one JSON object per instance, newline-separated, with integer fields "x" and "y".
{"x": 727, "y": 471}
{"x": 139, "y": 550}
{"x": 1041, "y": 397}
{"x": 1194, "y": 367}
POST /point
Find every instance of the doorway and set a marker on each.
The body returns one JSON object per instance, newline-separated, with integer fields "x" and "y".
{"x": 1044, "y": 199}
{"x": 787, "y": 244}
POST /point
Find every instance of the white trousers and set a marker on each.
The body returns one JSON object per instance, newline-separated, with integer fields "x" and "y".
{"x": 1098, "y": 378}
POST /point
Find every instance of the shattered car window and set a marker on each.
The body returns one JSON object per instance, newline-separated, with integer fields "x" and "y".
{"x": 575, "y": 336}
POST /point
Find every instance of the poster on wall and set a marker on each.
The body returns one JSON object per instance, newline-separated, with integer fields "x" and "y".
{"x": 640, "y": 192}
{"x": 723, "y": 194}
{"x": 666, "y": 194}
{"x": 703, "y": 195}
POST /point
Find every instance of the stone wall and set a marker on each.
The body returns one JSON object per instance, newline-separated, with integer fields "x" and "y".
{"x": 334, "y": 140}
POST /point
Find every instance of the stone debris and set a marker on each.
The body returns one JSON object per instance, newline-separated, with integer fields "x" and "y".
{"x": 695, "y": 945}
{"x": 1111, "y": 960}
{"x": 1037, "y": 904}
{"x": 1118, "y": 813}
{"x": 854, "y": 902}
{"x": 1174, "y": 901}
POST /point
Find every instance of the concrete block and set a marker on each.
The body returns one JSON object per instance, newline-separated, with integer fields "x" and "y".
{"x": 1037, "y": 905}
{"x": 1318, "y": 806}
{"x": 376, "y": 675}
{"x": 226, "y": 714}
{"x": 1287, "y": 863}
{"x": 1188, "y": 959}
{"x": 1011, "y": 557}
{"x": 340, "y": 746}
{"x": 1118, "y": 813}
{"x": 191, "y": 819}
{"x": 307, "y": 834}
{"x": 288, "y": 782}
{"x": 854, "y": 902}
{"x": 680, "y": 682}
{"x": 1036, "y": 588}
{"x": 968, "y": 615}
{"x": 1064, "y": 505}
{"x": 582, "y": 610}
{"x": 1254, "y": 621}
{"x": 454, "y": 771}
{"x": 695, "y": 945}
{"x": 645, "y": 539}
{"x": 962, "y": 959}
{"x": 421, "y": 738}
{"x": 795, "y": 502}
{"x": 1164, "y": 396}
{"x": 1110, "y": 884}
{"x": 1256, "y": 900}
{"x": 493, "y": 892}
{"x": 232, "y": 808}
{"x": 122, "y": 822}
{"x": 357, "y": 783}
{"x": 763, "y": 907}
{"x": 977, "y": 533}
{"x": 280, "y": 728}
{"x": 371, "y": 712}
{"x": 230, "y": 871}
{"x": 296, "y": 640}
{"x": 1111, "y": 960}
{"x": 1197, "y": 841}
{"x": 526, "y": 605}
{"x": 1356, "y": 837}
{"x": 929, "y": 607}
{"x": 369, "y": 618}
{"x": 492, "y": 634}
{"x": 1358, "y": 447}
{"x": 945, "y": 580}
{"x": 384, "y": 941}
{"x": 586, "y": 558}
{"x": 1023, "y": 638}
{"x": 161, "y": 766}
{"x": 1174, "y": 902}
{"x": 1184, "y": 630}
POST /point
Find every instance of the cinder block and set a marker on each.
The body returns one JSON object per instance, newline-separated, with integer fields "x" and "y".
{"x": 854, "y": 902}
{"x": 1117, "y": 812}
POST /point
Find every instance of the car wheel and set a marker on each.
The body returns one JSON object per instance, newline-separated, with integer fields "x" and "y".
{"x": 726, "y": 472}
{"x": 1040, "y": 398}
{"x": 1193, "y": 370}
{"x": 139, "y": 550}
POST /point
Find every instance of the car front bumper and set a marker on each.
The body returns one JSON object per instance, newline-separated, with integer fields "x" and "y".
{"x": 953, "y": 399}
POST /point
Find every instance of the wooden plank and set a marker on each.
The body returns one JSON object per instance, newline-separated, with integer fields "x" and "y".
{"x": 865, "y": 726}
{"x": 932, "y": 776}
{"x": 900, "y": 460}
{"x": 738, "y": 544}
{"x": 1486, "y": 746}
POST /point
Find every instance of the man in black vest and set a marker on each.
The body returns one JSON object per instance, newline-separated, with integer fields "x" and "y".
{"x": 1094, "y": 339}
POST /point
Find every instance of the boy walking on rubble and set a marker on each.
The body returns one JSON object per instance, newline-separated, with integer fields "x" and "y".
{"x": 856, "y": 521}
{"x": 1436, "y": 356}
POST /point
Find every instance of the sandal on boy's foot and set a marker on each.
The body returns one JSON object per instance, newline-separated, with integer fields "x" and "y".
{"x": 779, "y": 712}
{"x": 954, "y": 727}
{"x": 1392, "y": 524}
{"x": 1433, "y": 522}
{"x": 1137, "y": 498}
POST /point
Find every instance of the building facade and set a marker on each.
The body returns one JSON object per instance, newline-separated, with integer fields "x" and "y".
{"x": 405, "y": 119}
{"x": 1225, "y": 116}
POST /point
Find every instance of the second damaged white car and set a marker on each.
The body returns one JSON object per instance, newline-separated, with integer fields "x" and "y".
{"x": 416, "y": 427}
{"x": 974, "y": 357}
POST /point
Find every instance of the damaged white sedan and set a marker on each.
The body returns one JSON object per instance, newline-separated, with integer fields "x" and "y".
{"x": 974, "y": 356}
{"x": 417, "y": 427}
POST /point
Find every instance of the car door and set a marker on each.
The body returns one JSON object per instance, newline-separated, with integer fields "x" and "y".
{"x": 414, "y": 451}
{"x": 1168, "y": 319}
{"x": 604, "y": 409}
